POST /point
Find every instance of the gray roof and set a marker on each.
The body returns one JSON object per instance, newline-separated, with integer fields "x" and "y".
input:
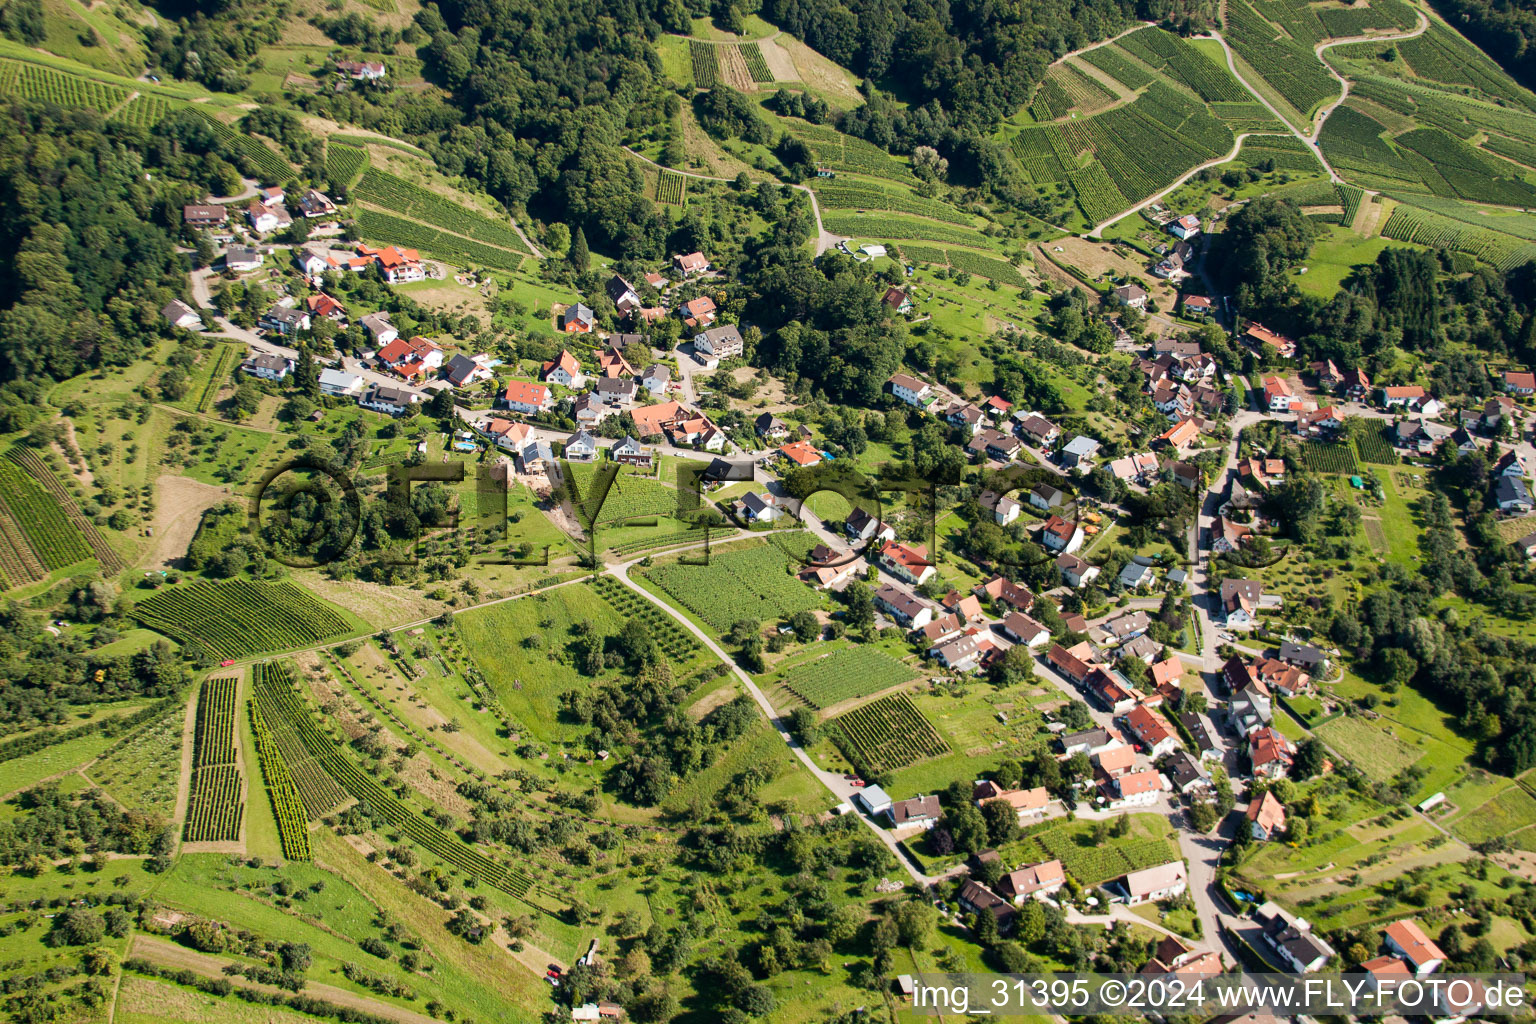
{"x": 1081, "y": 445}
{"x": 286, "y": 314}
{"x": 460, "y": 367}
{"x": 656, "y": 371}
{"x": 1306, "y": 654}
{"x": 269, "y": 361}
{"x": 582, "y": 437}
{"x": 242, "y": 254}
{"x": 615, "y": 385}
{"x": 391, "y": 396}
{"x": 1511, "y": 488}
{"x": 580, "y": 313}
{"x": 176, "y": 309}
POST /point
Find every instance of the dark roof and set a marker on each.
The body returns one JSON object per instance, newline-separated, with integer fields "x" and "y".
{"x": 1196, "y": 726}
{"x": 1184, "y": 769}
{"x": 1510, "y": 488}
{"x": 460, "y": 367}
{"x": 1302, "y": 654}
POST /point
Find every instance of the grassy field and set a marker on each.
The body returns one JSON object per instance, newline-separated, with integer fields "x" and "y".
{"x": 1374, "y": 750}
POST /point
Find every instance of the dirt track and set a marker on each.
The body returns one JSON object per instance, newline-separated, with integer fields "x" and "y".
{"x": 179, "y": 507}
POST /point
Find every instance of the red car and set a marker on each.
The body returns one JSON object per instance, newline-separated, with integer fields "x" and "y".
{"x": 226, "y": 663}
{"x": 857, "y": 783}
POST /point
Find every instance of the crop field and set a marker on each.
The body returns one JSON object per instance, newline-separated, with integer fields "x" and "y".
{"x": 1461, "y": 116}
{"x": 1088, "y": 862}
{"x": 1353, "y": 140}
{"x": 1248, "y": 116}
{"x": 50, "y": 536}
{"x": 1099, "y": 197}
{"x": 1350, "y": 197}
{"x": 914, "y": 253}
{"x": 846, "y": 672}
{"x": 384, "y": 227}
{"x": 318, "y": 792}
{"x": 1051, "y": 100}
{"x": 749, "y": 583}
{"x": 239, "y": 618}
{"x": 223, "y": 364}
{"x": 1043, "y": 154}
{"x": 1517, "y": 150}
{"x": 277, "y": 697}
{"x": 757, "y": 67}
{"x": 1407, "y": 224}
{"x": 1117, "y": 65}
{"x": 215, "y": 806}
{"x": 1450, "y": 167}
{"x": 1337, "y": 457}
{"x": 842, "y": 195}
{"x": 1374, "y": 751}
{"x": 886, "y": 735}
{"x": 343, "y": 163}
{"x": 670, "y": 188}
{"x": 33, "y": 81}
{"x": 675, "y": 642}
{"x": 706, "y": 64}
{"x": 401, "y": 197}
{"x": 287, "y": 806}
{"x": 1179, "y": 60}
{"x": 103, "y": 552}
{"x": 141, "y": 769}
{"x": 629, "y": 496}
{"x": 143, "y": 111}
{"x": 1443, "y": 56}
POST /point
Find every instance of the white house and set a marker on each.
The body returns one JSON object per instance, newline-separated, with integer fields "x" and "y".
{"x": 1060, "y": 536}
{"x": 339, "y": 383}
{"x": 268, "y": 366}
{"x": 580, "y": 446}
{"x": 906, "y": 562}
{"x": 380, "y": 331}
{"x": 911, "y": 390}
{"x": 1156, "y": 883}
{"x": 393, "y": 401}
{"x": 1407, "y": 940}
{"x": 182, "y": 315}
{"x": 1187, "y": 226}
{"x": 527, "y": 397}
{"x": 760, "y": 508}
{"x": 723, "y": 342}
{"x": 1025, "y": 630}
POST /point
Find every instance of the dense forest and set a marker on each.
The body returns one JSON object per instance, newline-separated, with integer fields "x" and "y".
{"x": 1506, "y": 29}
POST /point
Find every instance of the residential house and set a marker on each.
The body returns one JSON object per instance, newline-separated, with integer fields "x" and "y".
{"x": 1196, "y": 307}
{"x": 996, "y": 407}
{"x": 623, "y": 295}
{"x": 801, "y": 453}
{"x": 1292, "y": 938}
{"x": 862, "y": 527}
{"x": 1113, "y": 761}
{"x": 902, "y": 607}
{"x": 1127, "y": 626}
{"x": 1132, "y": 295}
{"x": 315, "y": 203}
{"x": 204, "y": 216}
{"x": 1303, "y": 656}
{"x": 911, "y": 390}
{"x": 897, "y": 300}
{"x": 380, "y": 330}
{"x": 1151, "y": 731}
{"x": 1277, "y": 394}
{"x": 1033, "y": 881}
{"x": 339, "y": 384}
{"x": 1074, "y": 571}
{"x": 1520, "y": 382}
{"x": 941, "y": 630}
{"x": 698, "y": 312}
{"x": 1005, "y": 511}
{"x": 1240, "y": 601}
{"x": 1327, "y": 374}
{"x": 1279, "y": 677}
{"x": 268, "y": 366}
{"x": 770, "y": 427}
{"x": 964, "y": 653}
{"x": 241, "y": 259}
{"x": 656, "y": 378}
{"x": 1080, "y": 451}
{"x": 1022, "y": 629}
{"x": 758, "y": 508}
{"x": 326, "y": 306}
{"x": 462, "y": 371}
{"x": 179, "y": 314}
{"x": 690, "y": 264}
{"x": 965, "y": 417}
{"x": 564, "y": 370}
{"x": 975, "y": 898}
{"x": 1228, "y": 536}
{"x": 1134, "y": 789}
{"x": 1187, "y": 774}
{"x": 578, "y": 319}
{"x": 1393, "y": 397}
{"x": 1090, "y": 741}
{"x": 994, "y": 444}
{"x": 631, "y": 452}
{"x": 1319, "y": 422}
{"x": 1163, "y": 882}
{"x": 1270, "y": 753}
{"x": 588, "y": 411}
{"x": 582, "y": 447}
{"x": 1113, "y": 695}
{"x": 527, "y": 397}
{"x": 1046, "y": 498}
{"x": 1407, "y": 940}
{"x": 284, "y": 320}
{"x": 721, "y": 342}
{"x": 699, "y": 432}
{"x": 874, "y": 800}
{"x": 921, "y": 811}
{"x": 1006, "y": 594}
{"x": 1266, "y": 817}
{"x": 1070, "y": 663}
{"x": 906, "y": 562}
{"x": 1060, "y": 535}
{"x": 1136, "y": 575}
{"x": 616, "y": 392}
{"x": 1420, "y": 435}
{"x": 1038, "y": 430}
{"x": 1134, "y": 468}
{"x": 266, "y": 219}
{"x": 1511, "y": 495}
{"x": 411, "y": 357}
{"x": 1144, "y": 649}
{"x": 394, "y": 401}
{"x": 1179, "y": 437}
{"x": 1355, "y": 383}
{"x": 1263, "y": 339}
{"x": 361, "y": 70}
{"x": 1511, "y": 464}
{"x": 1029, "y": 803}
{"x": 1202, "y": 735}
{"x": 1185, "y": 227}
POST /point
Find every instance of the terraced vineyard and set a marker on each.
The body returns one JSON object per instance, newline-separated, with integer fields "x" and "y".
{"x": 1180, "y": 61}
{"x": 401, "y": 197}
{"x": 287, "y": 807}
{"x": 757, "y": 67}
{"x": 886, "y": 735}
{"x": 215, "y": 806}
{"x": 856, "y": 225}
{"x": 260, "y": 160}
{"x": 34, "y": 81}
{"x": 223, "y": 364}
{"x": 670, "y": 188}
{"x": 675, "y": 642}
{"x": 343, "y": 163}
{"x": 1289, "y": 66}
{"x": 143, "y": 111}
{"x": 103, "y": 552}
{"x": 846, "y": 153}
{"x": 317, "y": 791}
{"x": 238, "y": 618}
{"x": 1117, "y": 65}
{"x": 628, "y": 496}
{"x": 748, "y": 583}
{"x": 53, "y": 540}
{"x": 1407, "y": 224}
{"x": 842, "y": 195}
{"x": 984, "y": 266}
{"x": 277, "y": 698}
{"x": 399, "y": 231}
{"x": 845, "y": 673}
{"x": 706, "y": 64}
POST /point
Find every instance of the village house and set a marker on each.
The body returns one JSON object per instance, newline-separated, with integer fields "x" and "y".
{"x": 393, "y": 401}
{"x": 527, "y": 397}
{"x": 204, "y": 216}
{"x": 361, "y": 70}
{"x": 723, "y": 342}
{"x": 690, "y": 264}
{"x": 1005, "y": 511}
{"x": 339, "y": 383}
{"x": 1265, "y": 816}
{"x": 911, "y": 390}
{"x": 284, "y": 320}
{"x": 1074, "y": 571}
{"x": 1292, "y": 938}
{"x": 1090, "y": 741}
{"x": 1187, "y": 774}
{"x": 1079, "y": 452}
{"x": 920, "y": 811}
{"x": 564, "y": 370}
{"x": 1151, "y": 731}
{"x": 906, "y": 562}
{"x": 181, "y": 315}
{"x": 902, "y": 607}
{"x": 1162, "y": 882}
{"x": 266, "y": 219}
{"x": 1038, "y": 430}
{"x": 581, "y": 447}
{"x": 897, "y": 300}
{"x": 863, "y": 527}
{"x": 1265, "y": 341}
{"x": 1240, "y": 601}
{"x": 1270, "y": 753}
{"x": 241, "y": 259}
{"x": 975, "y": 898}
{"x": 1406, "y": 939}
{"x": 1060, "y": 535}
{"x": 1185, "y": 227}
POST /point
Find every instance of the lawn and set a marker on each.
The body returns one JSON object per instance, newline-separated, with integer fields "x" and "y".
{"x": 1148, "y": 842}
{"x": 1507, "y": 812}
{"x": 1372, "y": 747}
{"x": 1334, "y": 256}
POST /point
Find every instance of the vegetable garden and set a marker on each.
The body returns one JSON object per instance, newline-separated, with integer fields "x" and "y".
{"x": 287, "y": 807}
{"x": 239, "y": 618}
{"x": 215, "y": 806}
{"x": 276, "y": 694}
{"x": 886, "y": 735}
{"x": 850, "y": 671}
